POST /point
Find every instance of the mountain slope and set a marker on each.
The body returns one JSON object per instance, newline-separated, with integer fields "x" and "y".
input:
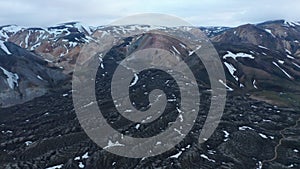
{"x": 262, "y": 57}
{"x": 24, "y": 75}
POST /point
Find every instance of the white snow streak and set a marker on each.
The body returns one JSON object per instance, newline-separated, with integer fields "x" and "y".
{"x": 263, "y": 136}
{"x": 192, "y": 52}
{"x": 254, "y": 84}
{"x": 289, "y": 76}
{"x": 12, "y": 78}
{"x": 231, "y": 69}
{"x": 136, "y": 78}
{"x": 270, "y": 32}
{"x": 176, "y": 50}
{"x": 207, "y": 158}
{"x": 56, "y": 167}
{"x": 298, "y": 66}
{"x": 111, "y": 144}
{"x": 3, "y": 46}
{"x": 262, "y": 47}
{"x": 234, "y": 56}
{"x": 176, "y": 155}
{"x": 245, "y": 128}
{"x": 228, "y": 88}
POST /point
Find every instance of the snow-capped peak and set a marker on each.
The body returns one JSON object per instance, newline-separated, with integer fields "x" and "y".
{"x": 78, "y": 25}
{"x": 8, "y": 30}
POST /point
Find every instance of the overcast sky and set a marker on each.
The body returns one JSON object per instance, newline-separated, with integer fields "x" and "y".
{"x": 99, "y": 12}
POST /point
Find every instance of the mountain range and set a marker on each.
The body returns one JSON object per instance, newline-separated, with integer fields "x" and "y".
{"x": 259, "y": 127}
{"x": 256, "y": 58}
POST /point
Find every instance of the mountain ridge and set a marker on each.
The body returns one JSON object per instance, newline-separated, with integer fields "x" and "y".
{"x": 273, "y": 45}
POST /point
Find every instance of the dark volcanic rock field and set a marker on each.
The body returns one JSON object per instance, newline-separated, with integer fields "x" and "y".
{"x": 45, "y": 133}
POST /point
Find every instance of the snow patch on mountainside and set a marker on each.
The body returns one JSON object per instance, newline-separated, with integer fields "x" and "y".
{"x": 263, "y": 47}
{"x": 112, "y": 144}
{"x": 136, "y": 78}
{"x": 12, "y": 78}
{"x": 292, "y": 24}
{"x": 288, "y": 75}
{"x": 56, "y": 167}
{"x": 270, "y": 32}
{"x": 234, "y": 56}
{"x": 231, "y": 69}
{"x": 227, "y": 87}
{"x": 298, "y": 66}
{"x": 254, "y": 84}
{"x": 193, "y": 51}
{"x": 9, "y": 30}
{"x": 3, "y": 47}
{"x": 129, "y": 28}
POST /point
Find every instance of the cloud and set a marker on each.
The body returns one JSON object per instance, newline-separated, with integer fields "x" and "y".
{"x": 100, "y": 12}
